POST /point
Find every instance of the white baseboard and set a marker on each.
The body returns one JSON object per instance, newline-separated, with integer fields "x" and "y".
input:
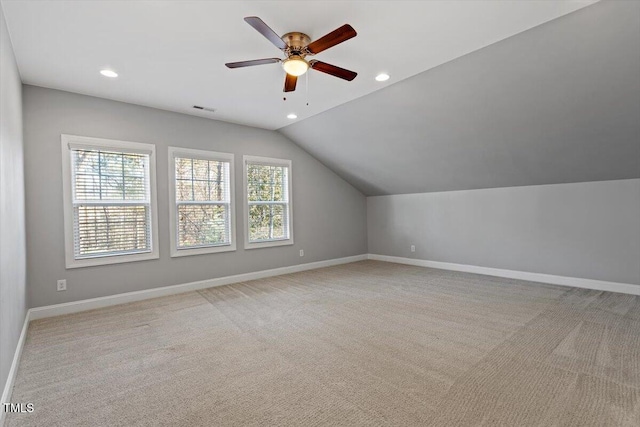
{"x": 90, "y": 304}
{"x": 601, "y": 285}
{"x": 13, "y": 371}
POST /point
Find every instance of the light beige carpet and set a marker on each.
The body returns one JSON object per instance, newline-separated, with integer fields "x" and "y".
{"x": 368, "y": 343}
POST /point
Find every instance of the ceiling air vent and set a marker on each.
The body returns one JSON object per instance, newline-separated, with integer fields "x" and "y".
{"x": 207, "y": 109}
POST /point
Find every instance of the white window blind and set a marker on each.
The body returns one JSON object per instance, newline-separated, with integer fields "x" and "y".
{"x": 109, "y": 196}
{"x": 203, "y": 202}
{"x": 111, "y": 202}
{"x": 268, "y": 200}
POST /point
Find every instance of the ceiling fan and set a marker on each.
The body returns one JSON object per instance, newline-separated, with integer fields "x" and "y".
{"x": 297, "y": 46}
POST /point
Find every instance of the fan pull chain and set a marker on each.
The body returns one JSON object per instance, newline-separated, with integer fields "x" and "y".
{"x": 307, "y": 89}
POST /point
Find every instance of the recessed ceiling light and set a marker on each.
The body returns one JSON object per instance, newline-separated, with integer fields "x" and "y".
{"x": 109, "y": 73}
{"x": 382, "y": 77}
{"x": 292, "y": 116}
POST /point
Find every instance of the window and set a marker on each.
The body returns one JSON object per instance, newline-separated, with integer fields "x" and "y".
{"x": 109, "y": 201}
{"x": 268, "y": 197}
{"x": 201, "y": 194}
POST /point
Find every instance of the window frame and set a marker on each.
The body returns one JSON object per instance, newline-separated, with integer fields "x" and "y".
{"x": 173, "y": 203}
{"x": 91, "y": 143}
{"x": 267, "y": 161}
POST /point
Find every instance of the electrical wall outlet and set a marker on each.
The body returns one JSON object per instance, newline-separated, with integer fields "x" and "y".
{"x": 62, "y": 285}
{"x": 413, "y": 248}
{"x": 301, "y": 252}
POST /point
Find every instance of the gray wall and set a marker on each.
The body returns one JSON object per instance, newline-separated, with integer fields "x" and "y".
{"x": 587, "y": 230}
{"x": 328, "y": 213}
{"x": 12, "y": 226}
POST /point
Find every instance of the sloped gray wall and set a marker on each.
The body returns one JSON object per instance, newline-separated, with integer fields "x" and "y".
{"x": 554, "y": 104}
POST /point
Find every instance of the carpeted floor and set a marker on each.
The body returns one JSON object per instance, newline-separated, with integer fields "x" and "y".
{"x": 368, "y": 343}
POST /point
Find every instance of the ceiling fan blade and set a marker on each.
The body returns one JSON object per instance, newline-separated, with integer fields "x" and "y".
{"x": 333, "y": 70}
{"x": 264, "y": 29}
{"x": 252, "y": 62}
{"x": 290, "y": 83}
{"x": 335, "y": 37}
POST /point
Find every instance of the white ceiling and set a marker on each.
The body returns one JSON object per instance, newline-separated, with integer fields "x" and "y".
{"x": 171, "y": 54}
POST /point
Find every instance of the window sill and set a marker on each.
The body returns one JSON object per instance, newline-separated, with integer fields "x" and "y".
{"x": 268, "y": 244}
{"x": 112, "y": 259}
{"x": 176, "y": 253}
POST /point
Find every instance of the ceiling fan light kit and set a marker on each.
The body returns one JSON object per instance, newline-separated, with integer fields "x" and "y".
{"x": 295, "y": 65}
{"x": 297, "y": 46}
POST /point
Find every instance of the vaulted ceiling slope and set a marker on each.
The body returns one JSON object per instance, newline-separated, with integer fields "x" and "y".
{"x": 558, "y": 103}
{"x": 171, "y": 54}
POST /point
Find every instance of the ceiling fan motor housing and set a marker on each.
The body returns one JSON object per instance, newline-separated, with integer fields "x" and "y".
{"x": 296, "y": 43}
